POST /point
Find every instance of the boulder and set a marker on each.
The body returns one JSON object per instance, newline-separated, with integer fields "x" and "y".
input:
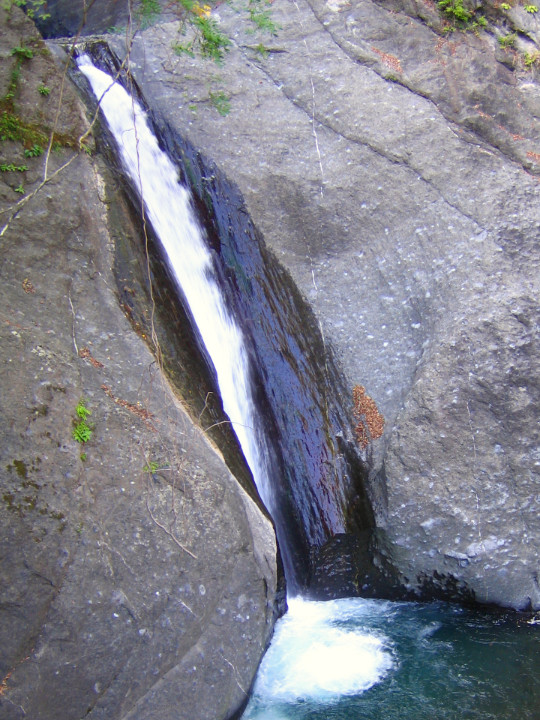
{"x": 138, "y": 577}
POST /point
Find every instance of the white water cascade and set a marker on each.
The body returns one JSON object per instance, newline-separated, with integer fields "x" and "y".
{"x": 168, "y": 206}
{"x": 311, "y": 656}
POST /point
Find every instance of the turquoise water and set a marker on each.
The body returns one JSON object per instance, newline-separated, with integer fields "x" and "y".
{"x": 356, "y": 659}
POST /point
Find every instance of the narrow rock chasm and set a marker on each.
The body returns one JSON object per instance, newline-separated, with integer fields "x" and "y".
{"x": 305, "y": 407}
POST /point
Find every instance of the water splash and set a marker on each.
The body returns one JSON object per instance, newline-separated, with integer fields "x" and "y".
{"x": 321, "y": 651}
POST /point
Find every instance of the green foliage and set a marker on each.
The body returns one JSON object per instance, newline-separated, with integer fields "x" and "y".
{"x": 531, "y": 59}
{"x": 455, "y": 11}
{"x": 212, "y": 42}
{"x": 82, "y": 430}
{"x": 183, "y": 49}
{"x": 153, "y": 467}
{"x": 34, "y": 151}
{"x": 81, "y": 410}
{"x": 505, "y": 6}
{"x": 208, "y": 39}
{"x": 33, "y": 8}
{"x": 507, "y": 41}
{"x": 261, "y": 16}
{"x": 14, "y": 129}
{"x": 150, "y": 7}
{"x": 20, "y": 189}
{"x": 262, "y": 50}
{"x": 9, "y": 126}
{"x": 10, "y": 167}
{"x": 22, "y": 52}
{"x": 530, "y": 9}
{"x": 460, "y": 17}
{"x": 44, "y": 90}
{"x": 221, "y": 102}
{"x": 14, "y": 81}
{"x": 147, "y": 11}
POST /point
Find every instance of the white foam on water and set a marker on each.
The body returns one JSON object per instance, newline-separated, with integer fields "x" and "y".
{"x": 314, "y": 656}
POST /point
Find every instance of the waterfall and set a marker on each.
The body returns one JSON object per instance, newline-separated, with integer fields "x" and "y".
{"x": 169, "y": 207}
{"x": 415, "y": 660}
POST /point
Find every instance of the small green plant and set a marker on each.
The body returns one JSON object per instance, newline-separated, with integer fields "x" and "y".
{"x": 12, "y": 127}
{"x": 44, "y": 90}
{"x": 33, "y": 8}
{"x": 208, "y": 38}
{"x": 506, "y": 41}
{"x": 153, "y": 467}
{"x": 531, "y": 58}
{"x": 9, "y": 126}
{"x": 183, "y": 49}
{"x": 213, "y": 43}
{"x": 82, "y": 430}
{"x": 460, "y": 17}
{"x": 505, "y": 6}
{"x": 82, "y": 411}
{"x": 148, "y": 11}
{"x": 10, "y": 167}
{"x": 14, "y": 81}
{"x": 455, "y": 11}
{"x": 22, "y": 52}
{"x": 261, "y": 16}
{"x": 20, "y": 189}
{"x": 531, "y": 9}
{"x": 221, "y": 102}
{"x": 262, "y": 50}
{"x": 34, "y": 151}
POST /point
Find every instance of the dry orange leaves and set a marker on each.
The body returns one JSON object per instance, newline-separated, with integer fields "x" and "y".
{"x": 370, "y": 424}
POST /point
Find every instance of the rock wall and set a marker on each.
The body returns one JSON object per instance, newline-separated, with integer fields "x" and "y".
{"x": 138, "y": 578}
{"x": 393, "y": 169}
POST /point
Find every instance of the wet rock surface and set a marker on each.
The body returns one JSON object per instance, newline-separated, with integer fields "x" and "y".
{"x": 393, "y": 171}
{"x": 138, "y": 578}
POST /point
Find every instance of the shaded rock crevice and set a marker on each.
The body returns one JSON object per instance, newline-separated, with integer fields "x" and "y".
{"x": 316, "y": 471}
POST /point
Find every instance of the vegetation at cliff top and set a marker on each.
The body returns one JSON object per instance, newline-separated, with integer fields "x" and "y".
{"x": 33, "y": 8}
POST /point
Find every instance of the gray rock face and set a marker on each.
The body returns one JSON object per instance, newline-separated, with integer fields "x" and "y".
{"x": 394, "y": 172}
{"x": 138, "y": 578}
